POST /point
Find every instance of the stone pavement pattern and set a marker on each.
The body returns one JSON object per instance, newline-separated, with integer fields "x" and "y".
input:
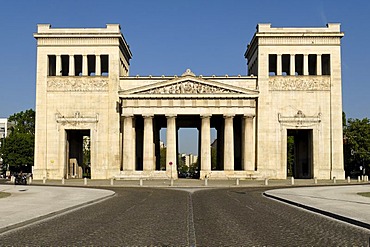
{"x": 238, "y": 216}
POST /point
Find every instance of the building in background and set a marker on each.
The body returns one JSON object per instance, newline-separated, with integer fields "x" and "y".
{"x": 3, "y": 127}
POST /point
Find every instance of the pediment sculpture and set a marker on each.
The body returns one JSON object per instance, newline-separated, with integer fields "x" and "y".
{"x": 188, "y": 87}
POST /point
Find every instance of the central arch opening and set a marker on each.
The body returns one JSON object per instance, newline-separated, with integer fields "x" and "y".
{"x": 188, "y": 148}
{"x": 188, "y": 153}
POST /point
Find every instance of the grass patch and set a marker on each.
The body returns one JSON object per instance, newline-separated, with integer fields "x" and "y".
{"x": 4, "y": 194}
{"x": 367, "y": 194}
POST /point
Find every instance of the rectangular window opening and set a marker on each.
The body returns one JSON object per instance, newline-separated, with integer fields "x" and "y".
{"x": 312, "y": 64}
{"x": 272, "y": 64}
{"x": 285, "y": 64}
{"x": 104, "y": 63}
{"x": 65, "y": 65}
{"x": 78, "y": 65}
{"x": 299, "y": 64}
{"x": 52, "y": 65}
{"x": 325, "y": 64}
{"x": 91, "y": 65}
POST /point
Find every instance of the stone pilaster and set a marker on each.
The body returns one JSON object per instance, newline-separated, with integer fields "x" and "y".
{"x": 248, "y": 144}
{"x": 305, "y": 64}
{"x": 71, "y": 71}
{"x": 318, "y": 64}
{"x": 128, "y": 144}
{"x": 292, "y": 64}
{"x": 58, "y": 65}
{"x": 84, "y": 65}
{"x": 278, "y": 65}
{"x": 171, "y": 155}
{"x": 97, "y": 65}
{"x": 205, "y": 144}
{"x": 148, "y": 159}
{"x": 229, "y": 143}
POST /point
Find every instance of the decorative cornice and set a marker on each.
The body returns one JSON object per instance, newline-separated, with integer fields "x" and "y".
{"x": 76, "y": 119}
{"x": 77, "y": 84}
{"x": 299, "y": 120}
{"x": 299, "y": 83}
{"x": 303, "y": 40}
{"x": 78, "y": 41}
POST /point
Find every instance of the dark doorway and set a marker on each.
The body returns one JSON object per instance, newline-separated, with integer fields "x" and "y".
{"x": 78, "y": 154}
{"x": 300, "y": 154}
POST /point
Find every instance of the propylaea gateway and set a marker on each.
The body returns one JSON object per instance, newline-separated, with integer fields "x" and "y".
{"x": 282, "y": 118}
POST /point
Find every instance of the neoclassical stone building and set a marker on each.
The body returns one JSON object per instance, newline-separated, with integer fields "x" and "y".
{"x": 87, "y": 104}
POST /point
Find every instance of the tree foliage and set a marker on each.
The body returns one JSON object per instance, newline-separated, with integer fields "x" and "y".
{"x": 356, "y": 145}
{"x": 18, "y": 147}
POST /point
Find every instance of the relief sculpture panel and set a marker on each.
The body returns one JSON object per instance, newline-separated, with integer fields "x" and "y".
{"x": 188, "y": 87}
{"x": 299, "y": 83}
{"x": 88, "y": 84}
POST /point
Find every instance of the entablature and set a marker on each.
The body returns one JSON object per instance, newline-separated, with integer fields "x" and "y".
{"x": 189, "y": 86}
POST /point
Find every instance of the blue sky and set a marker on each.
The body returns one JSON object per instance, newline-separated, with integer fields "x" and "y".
{"x": 168, "y": 36}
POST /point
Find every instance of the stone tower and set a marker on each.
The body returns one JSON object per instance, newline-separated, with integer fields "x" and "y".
{"x": 78, "y": 71}
{"x": 299, "y": 80}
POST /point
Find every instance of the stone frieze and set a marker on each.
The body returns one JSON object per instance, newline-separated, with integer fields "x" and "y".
{"x": 299, "y": 83}
{"x": 68, "y": 83}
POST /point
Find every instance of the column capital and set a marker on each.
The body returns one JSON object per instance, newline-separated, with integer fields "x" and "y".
{"x": 229, "y": 115}
{"x": 148, "y": 115}
{"x": 248, "y": 116}
{"x": 205, "y": 115}
{"x": 171, "y": 115}
{"x": 127, "y": 115}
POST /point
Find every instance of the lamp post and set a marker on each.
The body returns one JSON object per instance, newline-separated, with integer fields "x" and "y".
{"x": 170, "y": 163}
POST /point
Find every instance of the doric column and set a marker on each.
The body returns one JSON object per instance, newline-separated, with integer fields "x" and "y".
{"x": 305, "y": 64}
{"x": 248, "y": 154}
{"x": 128, "y": 144}
{"x": 292, "y": 64}
{"x": 229, "y": 143}
{"x": 71, "y": 65}
{"x": 171, "y": 155}
{"x": 279, "y": 67}
{"x": 148, "y": 150}
{"x": 97, "y": 65}
{"x": 318, "y": 64}
{"x": 84, "y": 65}
{"x": 58, "y": 65}
{"x": 205, "y": 143}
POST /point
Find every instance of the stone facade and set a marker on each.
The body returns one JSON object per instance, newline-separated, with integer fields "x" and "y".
{"x": 84, "y": 93}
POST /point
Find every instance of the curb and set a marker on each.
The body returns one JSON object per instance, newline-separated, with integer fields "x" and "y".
{"x": 52, "y": 215}
{"x": 319, "y": 211}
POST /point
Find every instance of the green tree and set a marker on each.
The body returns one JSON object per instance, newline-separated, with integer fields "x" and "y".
{"x": 18, "y": 147}
{"x": 162, "y": 161}
{"x": 214, "y": 158}
{"x": 290, "y": 156}
{"x": 356, "y": 145}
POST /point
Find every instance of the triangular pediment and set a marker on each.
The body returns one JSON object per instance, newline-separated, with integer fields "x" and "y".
{"x": 189, "y": 85}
